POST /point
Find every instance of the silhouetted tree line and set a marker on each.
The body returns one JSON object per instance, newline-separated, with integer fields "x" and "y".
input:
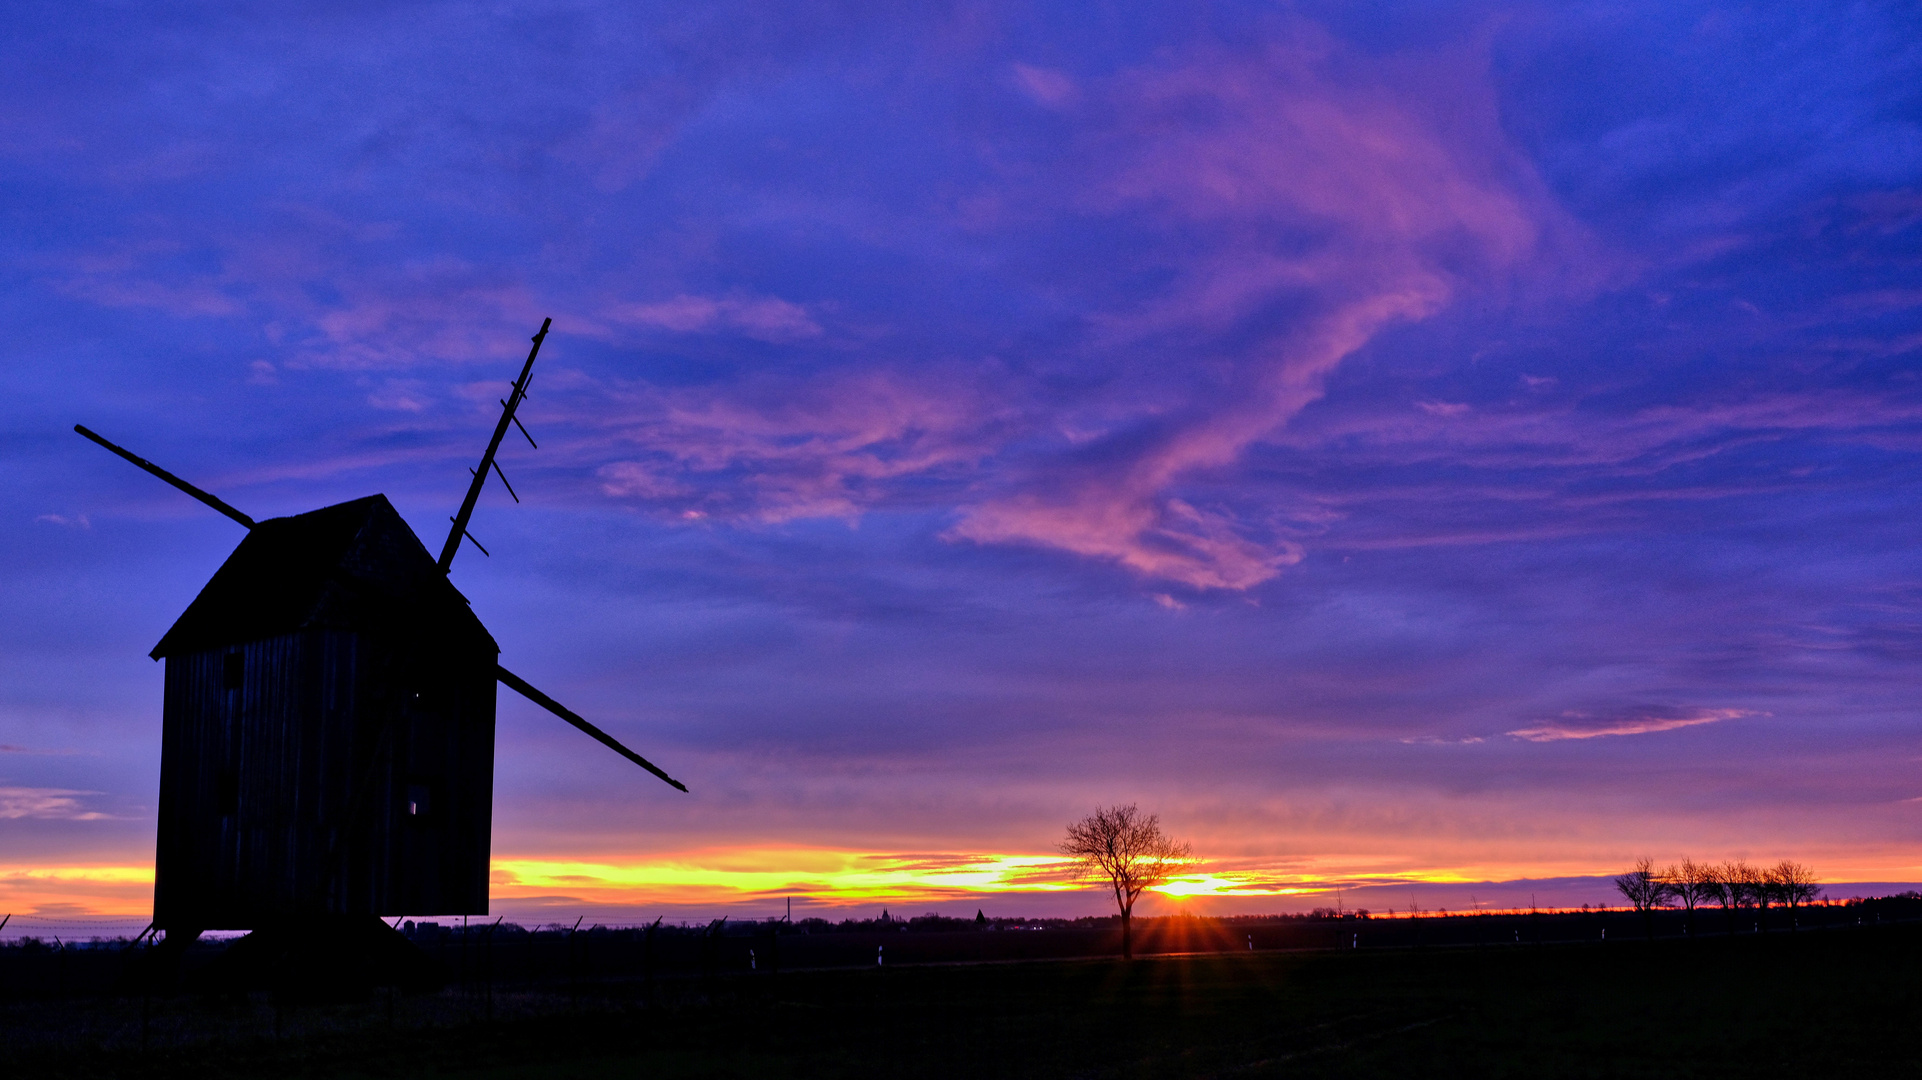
{"x": 1340, "y": 914}
{"x": 1734, "y": 886}
{"x": 746, "y": 928}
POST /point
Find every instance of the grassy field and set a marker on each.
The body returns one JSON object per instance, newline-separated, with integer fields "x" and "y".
{"x": 1808, "y": 1004}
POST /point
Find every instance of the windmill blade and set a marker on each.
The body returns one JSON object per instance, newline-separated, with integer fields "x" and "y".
{"x": 513, "y": 402}
{"x": 520, "y": 686}
{"x": 169, "y": 478}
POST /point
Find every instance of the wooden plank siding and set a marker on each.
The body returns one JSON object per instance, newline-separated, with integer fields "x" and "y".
{"x": 324, "y": 771}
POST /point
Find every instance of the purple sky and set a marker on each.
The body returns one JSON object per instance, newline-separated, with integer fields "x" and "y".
{"x": 1387, "y": 440}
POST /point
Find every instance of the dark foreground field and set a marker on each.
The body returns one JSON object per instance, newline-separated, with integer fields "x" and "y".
{"x": 1813, "y": 1003}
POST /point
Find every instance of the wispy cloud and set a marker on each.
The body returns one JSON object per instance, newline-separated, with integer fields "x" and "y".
{"x": 776, "y": 450}
{"x": 71, "y": 521}
{"x": 47, "y": 804}
{"x": 765, "y": 318}
{"x": 1578, "y": 725}
{"x": 1332, "y": 199}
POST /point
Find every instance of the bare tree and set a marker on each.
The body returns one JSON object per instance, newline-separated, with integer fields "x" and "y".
{"x": 1720, "y": 890}
{"x": 1693, "y": 884}
{"x": 1733, "y": 883}
{"x": 1753, "y": 882}
{"x": 1645, "y": 889}
{"x": 1130, "y": 852}
{"x": 1794, "y": 885}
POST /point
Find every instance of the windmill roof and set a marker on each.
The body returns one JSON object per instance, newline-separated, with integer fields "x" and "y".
{"x": 352, "y": 566}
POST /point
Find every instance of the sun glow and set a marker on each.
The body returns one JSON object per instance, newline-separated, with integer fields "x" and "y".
{"x": 725, "y": 875}
{"x": 1210, "y": 885}
{"x": 90, "y": 890}
{"x": 709, "y": 882}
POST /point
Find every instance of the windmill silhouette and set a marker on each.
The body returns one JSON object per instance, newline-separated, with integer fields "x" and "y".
{"x": 327, "y": 732}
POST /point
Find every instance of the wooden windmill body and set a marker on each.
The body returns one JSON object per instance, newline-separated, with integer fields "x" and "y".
{"x": 327, "y": 743}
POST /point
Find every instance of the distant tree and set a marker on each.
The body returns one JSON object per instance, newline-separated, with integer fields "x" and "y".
{"x": 1130, "y": 852}
{"x": 1645, "y": 889}
{"x": 1728, "y": 885}
{"x": 1794, "y": 885}
{"x": 1752, "y": 884}
{"x": 1693, "y": 884}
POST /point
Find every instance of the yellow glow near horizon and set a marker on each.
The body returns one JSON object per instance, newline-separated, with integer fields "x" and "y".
{"x": 723, "y": 877}
{"x": 1209, "y": 885}
{"x": 844, "y": 877}
{"x": 110, "y": 891}
{"x": 834, "y": 876}
{"x": 104, "y": 875}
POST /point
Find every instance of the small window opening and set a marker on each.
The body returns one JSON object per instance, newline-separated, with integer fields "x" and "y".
{"x": 233, "y": 672}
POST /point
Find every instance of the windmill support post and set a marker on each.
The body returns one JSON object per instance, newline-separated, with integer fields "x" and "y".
{"x": 487, "y": 949}
{"x": 647, "y": 958}
{"x": 573, "y": 966}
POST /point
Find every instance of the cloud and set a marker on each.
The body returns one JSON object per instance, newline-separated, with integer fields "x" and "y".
{"x": 1577, "y": 725}
{"x": 1046, "y": 86}
{"x": 1162, "y": 538}
{"x": 204, "y": 299}
{"x": 47, "y": 804}
{"x": 1298, "y": 211}
{"x": 76, "y": 521}
{"x": 776, "y": 449}
{"x": 314, "y": 284}
{"x": 765, "y": 318}
{"x": 1532, "y": 467}
{"x": 400, "y": 395}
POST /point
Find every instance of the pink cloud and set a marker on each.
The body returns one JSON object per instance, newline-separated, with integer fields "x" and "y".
{"x": 1576, "y": 725}
{"x": 423, "y": 316}
{"x": 830, "y": 447}
{"x": 51, "y": 804}
{"x": 1345, "y": 199}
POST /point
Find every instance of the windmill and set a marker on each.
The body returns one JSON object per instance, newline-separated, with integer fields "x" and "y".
{"x": 327, "y": 731}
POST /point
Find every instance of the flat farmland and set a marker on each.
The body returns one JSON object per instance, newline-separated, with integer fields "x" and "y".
{"x": 1814, "y": 1002}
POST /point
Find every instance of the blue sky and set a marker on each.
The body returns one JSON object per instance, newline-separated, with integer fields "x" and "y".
{"x": 1390, "y": 441}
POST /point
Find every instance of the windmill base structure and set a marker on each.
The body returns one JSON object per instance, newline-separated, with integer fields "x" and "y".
{"x": 327, "y": 735}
